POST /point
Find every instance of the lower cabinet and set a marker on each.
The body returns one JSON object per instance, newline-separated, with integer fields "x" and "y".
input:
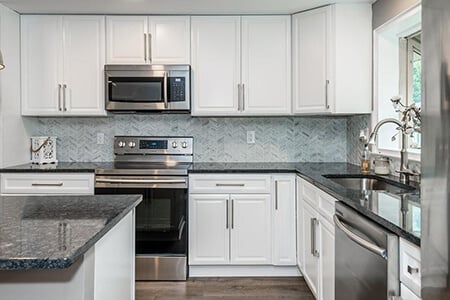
{"x": 315, "y": 239}
{"x": 230, "y": 229}
{"x": 242, "y": 219}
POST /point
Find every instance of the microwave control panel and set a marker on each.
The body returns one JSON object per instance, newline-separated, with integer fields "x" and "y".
{"x": 177, "y": 89}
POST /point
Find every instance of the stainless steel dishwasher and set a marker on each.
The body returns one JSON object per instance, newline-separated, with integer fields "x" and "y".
{"x": 366, "y": 258}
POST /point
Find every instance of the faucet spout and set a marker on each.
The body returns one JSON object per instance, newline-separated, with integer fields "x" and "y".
{"x": 374, "y": 134}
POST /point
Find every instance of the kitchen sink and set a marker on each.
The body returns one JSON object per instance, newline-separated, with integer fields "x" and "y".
{"x": 369, "y": 183}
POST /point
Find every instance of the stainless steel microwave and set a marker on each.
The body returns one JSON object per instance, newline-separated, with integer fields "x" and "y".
{"x": 148, "y": 88}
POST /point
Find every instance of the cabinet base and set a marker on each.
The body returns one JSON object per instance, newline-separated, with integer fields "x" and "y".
{"x": 243, "y": 271}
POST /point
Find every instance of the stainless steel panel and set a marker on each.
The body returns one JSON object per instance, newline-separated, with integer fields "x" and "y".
{"x": 435, "y": 185}
{"x": 161, "y": 267}
{"x": 361, "y": 273}
{"x": 179, "y": 149}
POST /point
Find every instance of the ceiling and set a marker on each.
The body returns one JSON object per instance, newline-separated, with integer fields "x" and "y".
{"x": 167, "y": 6}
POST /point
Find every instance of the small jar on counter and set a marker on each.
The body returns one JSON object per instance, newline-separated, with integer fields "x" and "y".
{"x": 382, "y": 165}
{"x": 365, "y": 163}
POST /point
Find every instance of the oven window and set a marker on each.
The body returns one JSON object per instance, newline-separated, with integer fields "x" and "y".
{"x": 161, "y": 219}
{"x": 136, "y": 89}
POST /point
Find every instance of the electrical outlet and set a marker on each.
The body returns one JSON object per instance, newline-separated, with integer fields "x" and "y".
{"x": 100, "y": 138}
{"x": 251, "y": 137}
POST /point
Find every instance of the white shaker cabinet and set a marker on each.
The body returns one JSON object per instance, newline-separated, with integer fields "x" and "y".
{"x": 230, "y": 220}
{"x": 148, "y": 40}
{"x": 251, "y": 241}
{"x": 209, "y": 229}
{"x": 62, "y": 65}
{"x": 241, "y": 65}
{"x": 216, "y": 64}
{"x": 284, "y": 224}
{"x": 316, "y": 238}
{"x": 266, "y": 65}
{"x": 332, "y": 60}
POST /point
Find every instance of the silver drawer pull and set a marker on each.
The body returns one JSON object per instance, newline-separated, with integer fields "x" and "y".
{"x": 230, "y": 184}
{"x": 47, "y": 184}
{"x": 412, "y": 270}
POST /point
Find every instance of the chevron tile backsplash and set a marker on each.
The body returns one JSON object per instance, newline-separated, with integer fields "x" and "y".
{"x": 285, "y": 139}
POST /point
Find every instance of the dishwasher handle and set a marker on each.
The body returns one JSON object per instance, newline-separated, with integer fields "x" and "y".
{"x": 359, "y": 240}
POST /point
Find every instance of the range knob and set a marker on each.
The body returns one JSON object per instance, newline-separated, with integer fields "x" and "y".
{"x": 121, "y": 144}
{"x": 131, "y": 144}
{"x": 174, "y": 145}
{"x": 184, "y": 145}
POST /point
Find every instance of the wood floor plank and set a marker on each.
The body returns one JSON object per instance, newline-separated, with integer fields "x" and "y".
{"x": 261, "y": 288}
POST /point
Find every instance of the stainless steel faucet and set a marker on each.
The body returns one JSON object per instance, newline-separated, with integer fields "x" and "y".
{"x": 404, "y": 171}
{"x": 409, "y": 123}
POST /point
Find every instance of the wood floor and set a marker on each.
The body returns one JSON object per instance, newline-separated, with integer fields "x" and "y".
{"x": 225, "y": 289}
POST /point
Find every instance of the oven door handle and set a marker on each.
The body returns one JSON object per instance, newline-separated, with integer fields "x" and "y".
{"x": 168, "y": 181}
{"x": 359, "y": 240}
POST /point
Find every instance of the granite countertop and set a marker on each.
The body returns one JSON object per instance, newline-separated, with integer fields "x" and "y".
{"x": 52, "y": 232}
{"x": 397, "y": 213}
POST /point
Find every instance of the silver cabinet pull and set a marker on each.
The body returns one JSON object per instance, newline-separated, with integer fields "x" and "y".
{"x": 412, "y": 270}
{"x": 314, "y": 251}
{"x": 47, "y": 184}
{"x": 243, "y": 97}
{"x": 327, "y": 82}
{"x": 64, "y": 97}
{"x": 145, "y": 47}
{"x": 149, "y": 48}
{"x": 59, "y": 97}
{"x": 239, "y": 97}
{"x": 231, "y": 184}
{"x": 227, "y": 215}
{"x": 232, "y": 213}
{"x": 166, "y": 102}
{"x": 276, "y": 195}
{"x": 360, "y": 241}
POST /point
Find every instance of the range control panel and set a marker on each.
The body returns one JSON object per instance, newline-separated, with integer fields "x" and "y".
{"x": 153, "y": 145}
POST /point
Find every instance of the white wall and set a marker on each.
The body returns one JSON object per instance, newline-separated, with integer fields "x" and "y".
{"x": 14, "y": 139}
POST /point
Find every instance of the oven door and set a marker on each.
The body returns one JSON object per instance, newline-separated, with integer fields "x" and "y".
{"x": 161, "y": 223}
{"x": 147, "y": 91}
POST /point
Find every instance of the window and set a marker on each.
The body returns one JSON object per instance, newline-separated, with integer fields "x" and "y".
{"x": 397, "y": 71}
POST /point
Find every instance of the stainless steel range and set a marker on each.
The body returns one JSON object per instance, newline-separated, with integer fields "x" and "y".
{"x": 156, "y": 168}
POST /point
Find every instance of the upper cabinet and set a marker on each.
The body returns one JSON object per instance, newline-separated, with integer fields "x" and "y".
{"x": 148, "y": 40}
{"x": 332, "y": 60}
{"x": 62, "y": 65}
{"x": 251, "y": 70}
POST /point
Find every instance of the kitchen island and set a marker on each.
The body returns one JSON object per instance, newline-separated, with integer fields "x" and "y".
{"x": 67, "y": 247}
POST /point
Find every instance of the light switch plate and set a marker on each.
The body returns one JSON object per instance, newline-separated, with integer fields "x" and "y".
{"x": 100, "y": 138}
{"x": 251, "y": 137}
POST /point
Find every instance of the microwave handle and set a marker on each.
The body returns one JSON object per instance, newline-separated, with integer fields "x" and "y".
{"x": 166, "y": 103}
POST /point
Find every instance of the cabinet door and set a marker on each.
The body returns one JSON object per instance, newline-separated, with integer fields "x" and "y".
{"x": 326, "y": 260}
{"x": 300, "y": 240}
{"x": 284, "y": 220}
{"x": 215, "y": 65}
{"x": 311, "y": 38}
{"x": 209, "y": 233}
{"x": 169, "y": 40}
{"x": 41, "y": 65}
{"x": 84, "y": 58}
{"x": 251, "y": 241}
{"x": 266, "y": 65}
{"x": 310, "y": 234}
{"x": 126, "y": 40}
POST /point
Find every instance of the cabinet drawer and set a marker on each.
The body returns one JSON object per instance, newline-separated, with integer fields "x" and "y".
{"x": 54, "y": 183}
{"x": 309, "y": 193}
{"x": 326, "y": 206}
{"x": 410, "y": 270}
{"x": 227, "y": 184}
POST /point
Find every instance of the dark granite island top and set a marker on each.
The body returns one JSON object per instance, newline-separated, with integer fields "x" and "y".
{"x": 52, "y": 232}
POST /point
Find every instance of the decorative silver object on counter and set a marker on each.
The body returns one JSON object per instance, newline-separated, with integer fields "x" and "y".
{"x": 43, "y": 150}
